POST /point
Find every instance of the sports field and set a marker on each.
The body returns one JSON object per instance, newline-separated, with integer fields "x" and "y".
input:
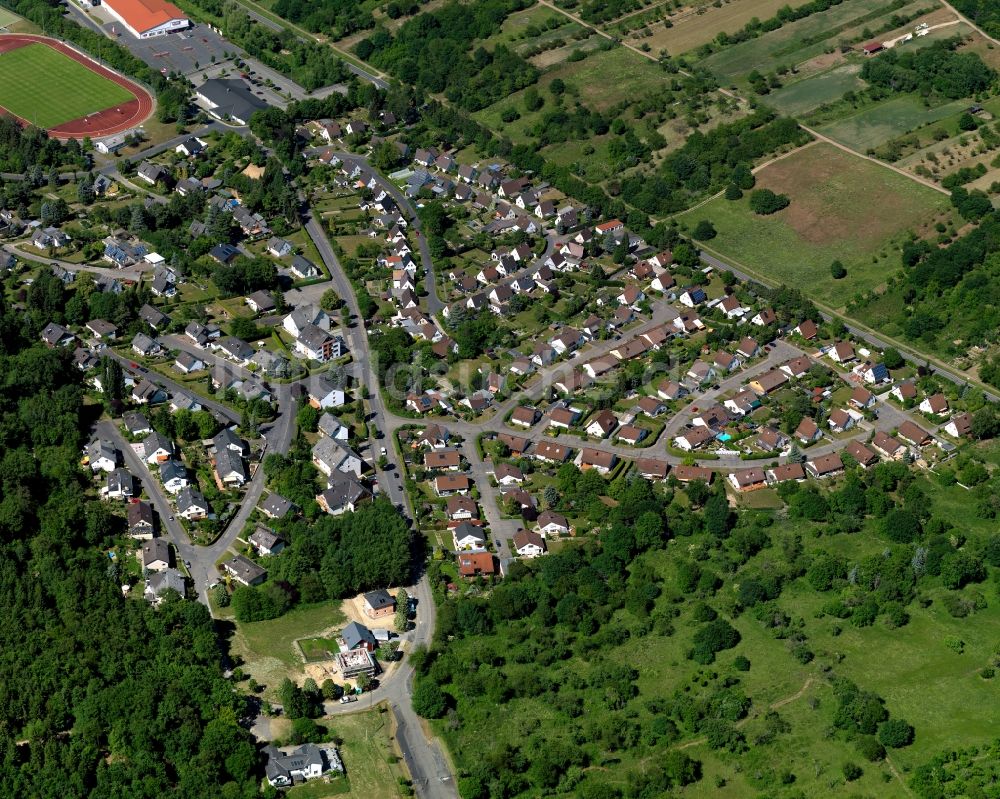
{"x": 842, "y": 208}
{"x": 46, "y": 88}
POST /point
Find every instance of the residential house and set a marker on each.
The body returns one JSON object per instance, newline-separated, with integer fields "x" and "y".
{"x": 825, "y": 465}
{"x": 146, "y": 392}
{"x": 303, "y": 268}
{"x": 768, "y": 381}
{"x": 748, "y": 348}
{"x": 229, "y": 468}
{"x": 139, "y": 517}
{"x": 275, "y": 506}
{"x": 157, "y": 448}
{"x": 528, "y": 544}
{"x": 888, "y": 447}
{"x": 261, "y": 302}
{"x": 589, "y": 458}
{"x": 173, "y": 475}
{"x": 323, "y": 392}
{"x": 476, "y": 564}
{"x": 764, "y": 318}
{"x": 447, "y": 484}
{"x": 155, "y": 555}
{"x": 102, "y": 455}
{"x": 650, "y": 406}
{"x": 279, "y": 248}
{"x": 265, "y": 541}
{"x": 563, "y": 417}
{"x": 55, "y": 335}
{"x": 725, "y": 362}
{"x": 443, "y": 460}
{"x": 693, "y": 439}
{"x": 153, "y": 317}
{"x": 693, "y": 296}
{"x": 236, "y": 349}
{"x": 840, "y": 420}
{"x": 468, "y": 536}
{"x": 862, "y": 454}
{"x": 159, "y": 584}
{"x": 523, "y": 416}
{"x": 187, "y": 363}
{"x": 244, "y": 571}
{"x": 516, "y": 444}
{"x": 317, "y": 344}
{"x": 343, "y": 494}
{"x": 701, "y": 373}
{"x": 782, "y": 474}
{"x": 797, "y": 368}
{"x": 145, "y": 346}
{"x": 651, "y": 469}
{"x": 330, "y": 456}
{"x": 862, "y": 398}
{"x": 630, "y": 434}
{"x": 101, "y": 328}
{"x": 305, "y": 762}
{"x": 461, "y": 508}
{"x": 120, "y": 485}
{"x": 551, "y": 523}
{"x": 507, "y": 475}
{"x": 671, "y": 390}
{"x": 842, "y": 352}
{"x": 686, "y": 474}
{"x": 913, "y": 434}
{"x": 357, "y": 636}
{"x": 959, "y": 426}
{"x": 152, "y": 173}
{"x": 807, "y": 329}
{"x": 771, "y": 440}
{"x": 808, "y": 431}
{"x": 378, "y": 604}
{"x": 935, "y": 404}
{"x": 550, "y": 452}
{"x": 875, "y": 374}
{"x": 601, "y": 424}
{"x": 747, "y": 479}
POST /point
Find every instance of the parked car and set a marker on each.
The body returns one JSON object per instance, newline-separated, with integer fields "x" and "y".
{"x": 348, "y": 698}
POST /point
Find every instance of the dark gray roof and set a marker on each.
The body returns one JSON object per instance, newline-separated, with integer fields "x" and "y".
{"x": 231, "y": 97}
{"x": 171, "y": 469}
{"x": 276, "y": 505}
{"x": 355, "y": 635}
{"x": 379, "y": 599}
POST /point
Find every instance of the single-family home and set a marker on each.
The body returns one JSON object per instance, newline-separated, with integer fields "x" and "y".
{"x": 449, "y": 460}
{"x": 330, "y": 456}
{"x": 468, "y": 536}
{"x": 747, "y": 479}
{"x": 161, "y": 583}
{"x": 551, "y": 452}
{"x": 447, "y": 484}
{"x": 601, "y": 424}
{"x": 173, "y": 475}
{"x": 789, "y": 471}
{"x": 120, "y": 485}
{"x": 139, "y": 518}
{"x": 694, "y": 438}
{"x": 244, "y": 571}
{"x": 476, "y": 564}
{"x": 102, "y": 455}
{"x": 748, "y": 348}
{"x": 507, "y": 475}
{"x": 888, "y": 447}
{"x": 861, "y": 398}
{"x": 764, "y": 318}
{"x": 598, "y": 460}
{"x": 862, "y": 454}
{"x": 523, "y": 416}
{"x": 771, "y": 439}
{"x": 808, "y": 431}
{"x": 378, "y": 604}
{"x": 960, "y": 426}
{"x": 265, "y": 541}
{"x": 155, "y": 555}
{"x": 768, "y": 381}
{"x": 840, "y": 420}
{"x": 935, "y": 404}
{"x": 842, "y": 352}
{"x": 144, "y": 345}
{"x": 807, "y": 329}
{"x": 275, "y": 506}
{"x": 343, "y": 494}
{"x": 825, "y": 465}
{"x": 913, "y": 434}
{"x": 461, "y": 508}
{"x": 528, "y": 544}
{"x": 551, "y": 523}
{"x": 187, "y": 363}
{"x": 261, "y": 302}
{"x": 651, "y": 469}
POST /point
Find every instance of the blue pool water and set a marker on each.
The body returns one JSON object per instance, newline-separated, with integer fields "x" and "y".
{"x": 723, "y": 436}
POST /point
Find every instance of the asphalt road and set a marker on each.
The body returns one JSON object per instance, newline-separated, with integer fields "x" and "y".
{"x": 865, "y": 335}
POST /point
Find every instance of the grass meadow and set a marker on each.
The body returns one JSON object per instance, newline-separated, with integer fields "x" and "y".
{"x": 47, "y": 88}
{"x": 842, "y": 208}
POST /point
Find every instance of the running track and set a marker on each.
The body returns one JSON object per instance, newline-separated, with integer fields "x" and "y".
{"x": 103, "y": 123}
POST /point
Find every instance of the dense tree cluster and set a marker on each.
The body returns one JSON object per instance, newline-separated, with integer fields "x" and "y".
{"x": 331, "y": 558}
{"x": 432, "y": 52}
{"x": 22, "y": 149}
{"x": 984, "y": 13}
{"x": 102, "y": 695}
{"x": 338, "y": 18}
{"x": 937, "y": 69}
{"x": 707, "y": 162}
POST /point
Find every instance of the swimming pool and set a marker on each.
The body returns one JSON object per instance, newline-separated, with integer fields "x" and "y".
{"x": 723, "y": 436}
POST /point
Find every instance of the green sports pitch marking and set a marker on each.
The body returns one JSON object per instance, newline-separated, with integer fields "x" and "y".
{"x": 48, "y": 88}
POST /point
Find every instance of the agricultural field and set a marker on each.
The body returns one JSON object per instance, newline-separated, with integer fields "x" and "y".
{"x": 804, "y": 39}
{"x": 875, "y": 125}
{"x": 699, "y": 25}
{"x": 69, "y": 90}
{"x": 842, "y": 208}
{"x": 802, "y": 96}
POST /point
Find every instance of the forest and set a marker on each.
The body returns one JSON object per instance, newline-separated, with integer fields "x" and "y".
{"x": 431, "y": 52}
{"x": 935, "y": 70}
{"x": 563, "y": 647}
{"x": 338, "y": 18}
{"x": 331, "y": 557}
{"x": 947, "y": 298}
{"x": 102, "y": 696}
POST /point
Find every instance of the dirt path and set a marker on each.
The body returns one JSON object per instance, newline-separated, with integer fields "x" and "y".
{"x": 773, "y": 706}
{"x": 929, "y": 183}
{"x": 969, "y": 22}
{"x": 897, "y": 775}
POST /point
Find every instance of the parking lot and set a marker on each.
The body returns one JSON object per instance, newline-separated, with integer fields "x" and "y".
{"x": 186, "y": 52}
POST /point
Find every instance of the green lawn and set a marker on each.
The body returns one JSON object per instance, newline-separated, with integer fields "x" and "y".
{"x": 842, "y": 208}
{"x": 67, "y": 91}
{"x": 793, "y": 43}
{"x": 805, "y": 95}
{"x": 268, "y": 647}
{"x": 877, "y": 124}
{"x": 369, "y": 760}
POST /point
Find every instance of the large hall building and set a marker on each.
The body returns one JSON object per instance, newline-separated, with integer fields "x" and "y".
{"x": 147, "y": 18}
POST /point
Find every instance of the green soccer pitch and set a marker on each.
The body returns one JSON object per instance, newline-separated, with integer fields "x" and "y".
{"x": 46, "y": 88}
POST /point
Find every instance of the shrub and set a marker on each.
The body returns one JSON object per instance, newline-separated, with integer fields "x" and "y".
{"x": 838, "y": 271}
{"x": 733, "y": 192}
{"x": 895, "y": 733}
{"x": 704, "y": 231}
{"x": 765, "y": 202}
{"x": 870, "y": 749}
{"x": 742, "y": 663}
{"x": 852, "y": 771}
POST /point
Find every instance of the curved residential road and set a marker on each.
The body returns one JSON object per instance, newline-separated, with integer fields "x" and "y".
{"x": 434, "y": 303}
{"x": 423, "y": 755}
